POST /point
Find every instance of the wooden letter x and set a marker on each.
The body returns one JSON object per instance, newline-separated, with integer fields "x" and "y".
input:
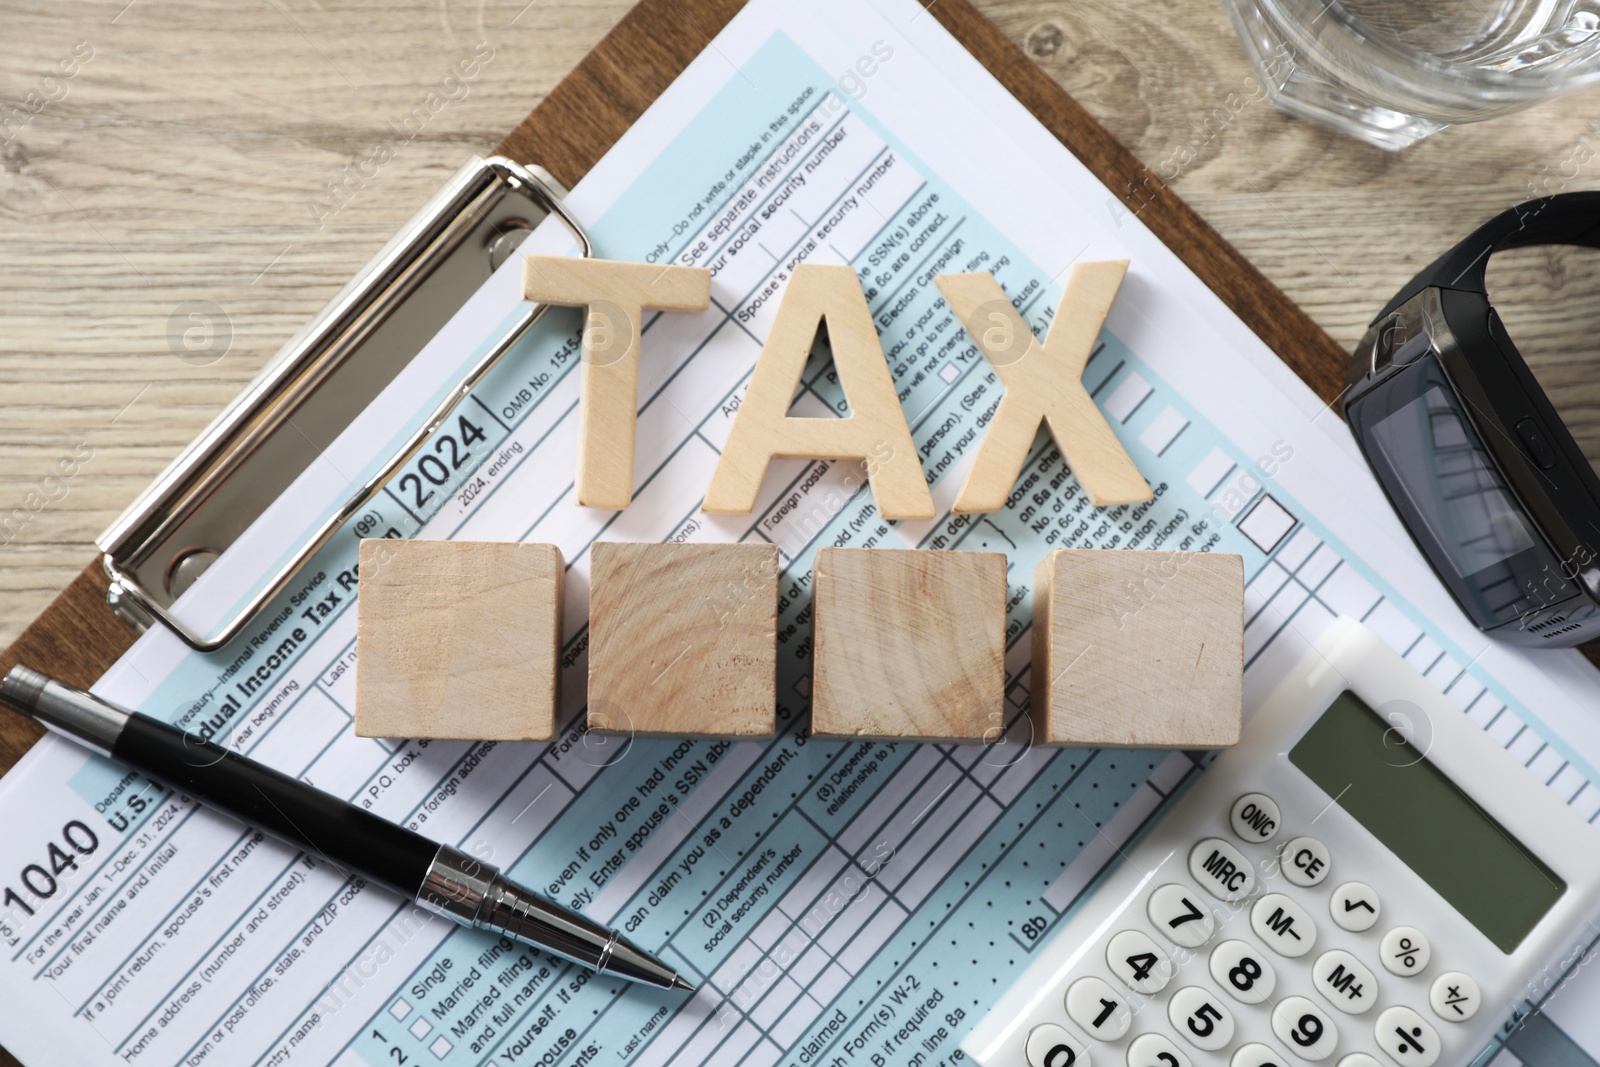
{"x": 615, "y": 295}
{"x": 1044, "y": 382}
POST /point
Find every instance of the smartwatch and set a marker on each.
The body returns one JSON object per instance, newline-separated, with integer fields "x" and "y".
{"x": 1482, "y": 471}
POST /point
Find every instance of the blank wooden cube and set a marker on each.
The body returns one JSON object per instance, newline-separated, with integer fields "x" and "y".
{"x": 458, "y": 639}
{"x": 908, "y": 645}
{"x": 683, "y": 639}
{"x": 1137, "y": 648}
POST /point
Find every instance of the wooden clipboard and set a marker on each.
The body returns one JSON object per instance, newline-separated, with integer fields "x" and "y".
{"x": 78, "y": 638}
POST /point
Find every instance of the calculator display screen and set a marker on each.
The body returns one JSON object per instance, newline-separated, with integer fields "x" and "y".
{"x": 1407, "y": 803}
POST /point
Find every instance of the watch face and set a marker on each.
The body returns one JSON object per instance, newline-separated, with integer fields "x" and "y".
{"x": 1451, "y": 495}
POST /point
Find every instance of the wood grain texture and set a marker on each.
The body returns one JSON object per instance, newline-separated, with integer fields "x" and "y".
{"x": 185, "y": 165}
{"x": 875, "y": 431}
{"x": 458, "y": 640}
{"x": 683, "y": 640}
{"x": 1137, "y": 648}
{"x": 908, "y": 645}
{"x": 1043, "y": 383}
{"x": 615, "y": 296}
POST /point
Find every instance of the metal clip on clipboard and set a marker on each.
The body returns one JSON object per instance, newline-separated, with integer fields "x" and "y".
{"x": 318, "y": 382}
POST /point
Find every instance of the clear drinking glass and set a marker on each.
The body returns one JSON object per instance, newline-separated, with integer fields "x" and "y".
{"x": 1391, "y": 72}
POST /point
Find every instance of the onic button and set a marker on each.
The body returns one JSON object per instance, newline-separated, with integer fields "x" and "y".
{"x": 1255, "y": 818}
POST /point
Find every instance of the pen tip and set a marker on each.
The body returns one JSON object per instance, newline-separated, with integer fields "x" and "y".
{"x": 679, "y": 983}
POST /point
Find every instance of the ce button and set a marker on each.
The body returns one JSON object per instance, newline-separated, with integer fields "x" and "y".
{"x": 1306, "y": 861}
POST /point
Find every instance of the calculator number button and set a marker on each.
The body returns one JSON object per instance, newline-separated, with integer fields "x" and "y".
{"x": 1345, "y": 981}
{"x": 1095, "y": 1006}
{"x": 1407, "y": 1038}
{"x": 1256, "y": 1054}
{"x": 1405, "y": 951}
{"x": 1304, "y": 1027}
{"x": 1284, "y": 925}
{"x": 1359, "y": 1059}
{"x": 1051, "y": 1046}
{"x": 1243, "y": 972}
{"x": 1355, "y": 907}
{"x": 1196, "y": 1015}
{"x": 1255, "y": 818}
{"x": 1454, "y": 997}
{"x": 1153, "y": 1050}
{"x": 1222, "y": 869}
{"x": 1306, "y": 861}
{"x": 1139, "y": 962}
{"x": 1181, "y": 916}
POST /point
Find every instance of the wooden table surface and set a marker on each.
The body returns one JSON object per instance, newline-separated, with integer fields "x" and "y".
{"x": 200, "y": 179}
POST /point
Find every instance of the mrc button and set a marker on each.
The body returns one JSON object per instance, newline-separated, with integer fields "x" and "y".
{"x": 1221, "y": 868}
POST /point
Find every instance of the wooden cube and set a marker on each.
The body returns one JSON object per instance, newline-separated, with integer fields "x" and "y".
{"x": 1137, "y": 648}
{"x": 683, "y": 639}
{"x": 908, "y": 645}
{"x": 458, "y": 639}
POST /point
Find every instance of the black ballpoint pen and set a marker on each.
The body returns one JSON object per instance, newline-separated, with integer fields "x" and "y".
{"x": 437, "y": 877}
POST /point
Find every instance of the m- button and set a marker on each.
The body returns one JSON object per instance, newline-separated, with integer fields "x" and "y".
{"x": 1222, "y": 869}
{"x": 1284, "y": 925}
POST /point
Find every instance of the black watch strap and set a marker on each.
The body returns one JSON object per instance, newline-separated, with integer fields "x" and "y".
{"x": 1562, "y": 219}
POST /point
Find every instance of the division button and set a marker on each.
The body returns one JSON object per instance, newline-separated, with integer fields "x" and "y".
{"x": 1454, "y": 997}
{"x": 1355, "y": 907}
{"x": 1153, "y": 1050}
{"x": 1306, "y": 861}
{"x": 1181, "y": 915}
{"x": 1243, "y": 972}
{"x": 1284, "y": 925}
{"x": 1097, "y": 1008}
{"x": 1404, "y": 951}
{"x": 1347, "y": 982}
{"x": 1222, "y": 869}
{"x": 1407, "y": 1038}
{"x": 1305, "y": 1028}
{"x": 1048, "y": 1045}
{"x": 1199, "y": 1017}
{"x": 1255, "y": 818}
{"x": 1139, "y": 962}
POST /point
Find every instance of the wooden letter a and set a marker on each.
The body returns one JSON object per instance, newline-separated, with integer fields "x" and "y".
{"x": 615, "y": 295}
{"x": 875, "y": 430}
{"x": 1044, "y": 382}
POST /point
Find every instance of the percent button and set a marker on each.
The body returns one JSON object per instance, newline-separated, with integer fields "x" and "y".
{"x": 1405, "y": 951}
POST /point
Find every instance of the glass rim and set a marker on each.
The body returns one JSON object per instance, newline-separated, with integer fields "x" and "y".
{"x": 1332, "y": 33}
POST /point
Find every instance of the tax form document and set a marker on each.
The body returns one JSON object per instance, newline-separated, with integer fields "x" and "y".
{"x": 842, "y": 904}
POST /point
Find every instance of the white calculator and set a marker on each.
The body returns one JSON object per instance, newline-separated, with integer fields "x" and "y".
{"x": 1366, "y": 880}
